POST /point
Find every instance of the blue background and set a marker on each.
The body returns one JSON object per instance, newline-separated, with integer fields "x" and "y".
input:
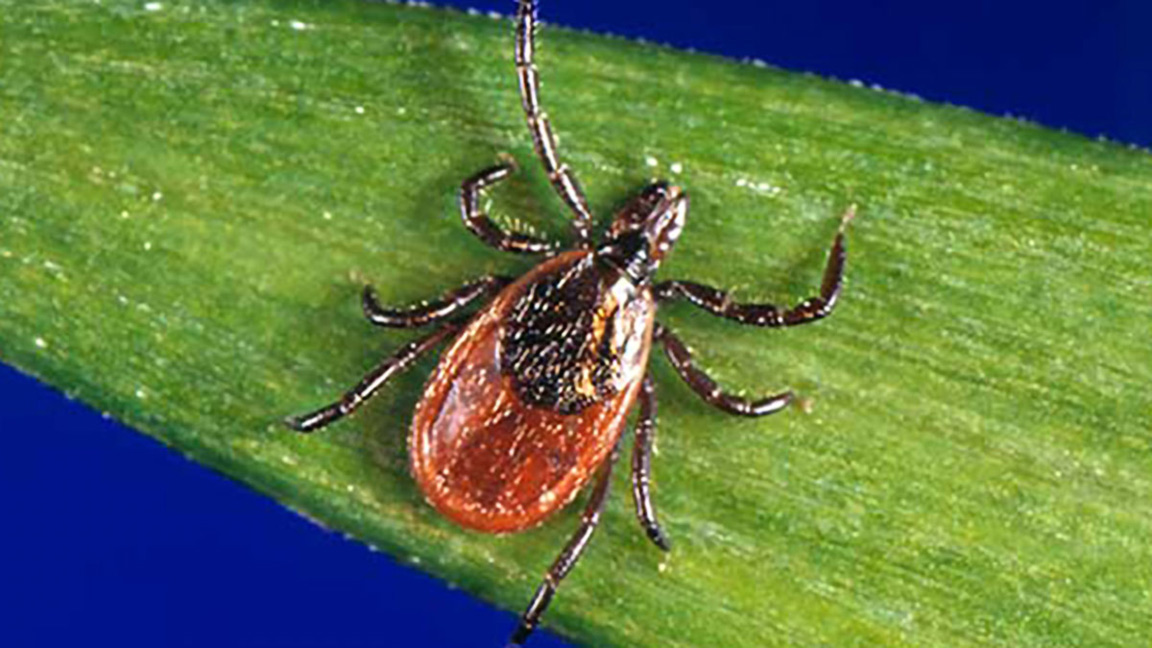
{"x": 143, "y": 548}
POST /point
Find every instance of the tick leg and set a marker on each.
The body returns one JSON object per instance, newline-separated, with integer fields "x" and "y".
{"x": 567, "y": 558}
{"x": 720, "y": 303}
{"x": 561, "y": 177}
{"x": 477, "y": 221}
{"x": 642, "y": 465}
{"x": 707, "y": 388}
{"x": 368, "y": 385}
{"x": 429, "y": 312}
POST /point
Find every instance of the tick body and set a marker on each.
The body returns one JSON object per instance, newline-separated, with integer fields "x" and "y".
{"x": 531, "y": 398}
{"x": 533, "y": 395}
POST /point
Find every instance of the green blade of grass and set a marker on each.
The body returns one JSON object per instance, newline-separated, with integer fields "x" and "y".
{"x": 192, "y": 197}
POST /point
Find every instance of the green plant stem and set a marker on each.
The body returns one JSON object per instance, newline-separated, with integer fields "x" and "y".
{"x": 191, "y": 199}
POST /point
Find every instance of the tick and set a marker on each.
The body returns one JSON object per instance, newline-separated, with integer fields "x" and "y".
{"x": 529, "y": 402}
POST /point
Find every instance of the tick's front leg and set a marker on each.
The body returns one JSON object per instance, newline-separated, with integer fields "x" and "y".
{"x": 719, "y": 303}
{"x": 561, "y": 177}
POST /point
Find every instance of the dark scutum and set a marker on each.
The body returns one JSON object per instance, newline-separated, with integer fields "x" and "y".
{"x": 557, "y": 340}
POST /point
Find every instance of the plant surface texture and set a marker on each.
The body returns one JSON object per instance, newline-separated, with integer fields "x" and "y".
{"x": 192, "y": 197}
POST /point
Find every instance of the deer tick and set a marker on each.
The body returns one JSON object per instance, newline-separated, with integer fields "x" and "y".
{"x": 529, "y": 402}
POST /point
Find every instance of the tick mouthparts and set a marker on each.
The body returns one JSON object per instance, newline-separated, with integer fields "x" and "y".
{"x": 664, "y": 226}
{"x": 676, "y": 201}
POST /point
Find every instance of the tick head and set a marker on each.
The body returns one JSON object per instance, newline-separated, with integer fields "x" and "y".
{"x": 645, "y": 230}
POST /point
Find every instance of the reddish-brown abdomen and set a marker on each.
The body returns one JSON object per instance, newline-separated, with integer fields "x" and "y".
{"x": 490, "y": 461}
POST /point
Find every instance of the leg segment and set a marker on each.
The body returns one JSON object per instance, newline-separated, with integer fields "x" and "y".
{"x": 478, "y": 222}
{"x": 429, "y": 312}
{"x": 720, "y": 303}
{"x": 642, "y": 465}
{"x": 368, "y": 385}
{"x": 699, "y": 381}
{"x": 561, "y": 177}
{"x": 567, "y": 558}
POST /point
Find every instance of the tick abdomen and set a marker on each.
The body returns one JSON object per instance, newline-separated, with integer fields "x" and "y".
{"x": 515, "y": 421}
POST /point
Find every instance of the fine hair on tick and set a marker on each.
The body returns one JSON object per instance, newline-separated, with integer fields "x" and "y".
{"x": 529, "y": 401}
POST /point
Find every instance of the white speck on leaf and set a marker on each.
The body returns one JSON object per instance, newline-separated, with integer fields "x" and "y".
{"x": 759, "y": 187}
{"x": 153, "y": 6}
{"x": 359, "y": 110}
{"x": 651, "y": 161}
{"x": 299, "y": 25}
{"x": 677, "y": 167}
{"x": 156, "y": 195}
{"x": 41, "y": 343}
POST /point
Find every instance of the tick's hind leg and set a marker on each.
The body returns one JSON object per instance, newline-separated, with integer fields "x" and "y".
{"x": 719, "y": 303}
{"x": 430, "y": 312}
{"x": 699, "y": 381}
{"x": 567, "y": 558}
{"x": 642, "y": 465}
{"x": 477, "y": 221}
{"x": 561, "y": 177}
{"x": 368, "y": 385}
